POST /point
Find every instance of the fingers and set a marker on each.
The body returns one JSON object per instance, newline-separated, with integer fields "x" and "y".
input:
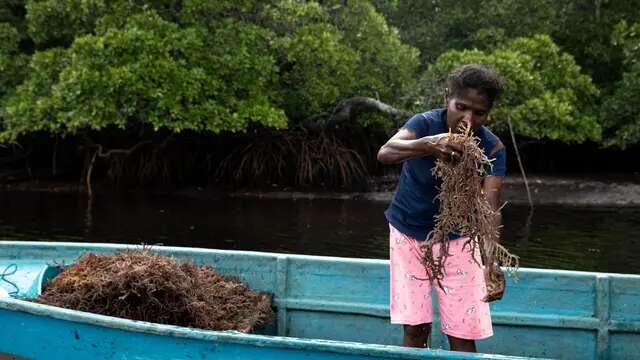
{"x": 446, "y": 150}
{"x": 452, "y": 151}
{"x": 453, "y": 154}
{"x": 492, "y": 297}
{"x": 456, "y": 147}
{"x": 440, "y": 138}
{"x": 494, "y": 294}
{"x": 495, "y": 283}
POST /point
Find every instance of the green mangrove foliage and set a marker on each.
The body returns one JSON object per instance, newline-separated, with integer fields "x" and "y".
{"x": 117, "y": 73}
{"x": 585, "y": 29}
{"x": 149, "y": 71}
{"x": 435, "y": 27}
{"x": 12, "y": 61}
{"x": 621, "y": 111}
{"x": 199, "y": 65}
{"x": 224, "y": 65}
{"x": 582, "y": 28}
{"x": 547, "y": 96}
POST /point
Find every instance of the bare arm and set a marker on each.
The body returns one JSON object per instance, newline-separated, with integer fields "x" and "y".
{"x": 492, "y": 188}
{"x": 405, "y": 146}
{"x": 494, "y": 277}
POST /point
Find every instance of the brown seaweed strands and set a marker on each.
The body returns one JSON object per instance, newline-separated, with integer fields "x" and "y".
{"x": 143, "y": 285}
{"x": 464, "y": 209}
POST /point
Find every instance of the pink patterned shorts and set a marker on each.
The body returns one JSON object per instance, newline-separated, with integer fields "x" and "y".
{"x": 463, "y": 314}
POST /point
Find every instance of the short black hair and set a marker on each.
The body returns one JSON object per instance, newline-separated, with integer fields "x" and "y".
{"x": 479, "y": 77}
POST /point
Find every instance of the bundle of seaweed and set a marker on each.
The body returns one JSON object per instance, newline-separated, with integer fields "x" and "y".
{"x": 146, "y": 286}
{"x": 464, "y": 209}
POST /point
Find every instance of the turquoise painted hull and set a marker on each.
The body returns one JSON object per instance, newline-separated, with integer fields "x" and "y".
{"x": 327, "y": 308}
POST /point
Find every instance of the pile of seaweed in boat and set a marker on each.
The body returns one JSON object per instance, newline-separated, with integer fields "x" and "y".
{"x": 143, "y": 285}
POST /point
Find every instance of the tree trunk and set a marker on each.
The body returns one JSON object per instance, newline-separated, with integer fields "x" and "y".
{"x": 89, "y": 171}
{"x": 99, "y": 152}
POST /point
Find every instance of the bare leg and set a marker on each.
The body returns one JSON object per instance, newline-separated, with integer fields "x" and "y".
{"x": 416, "y": 335}
{"x": 461, "y": 344}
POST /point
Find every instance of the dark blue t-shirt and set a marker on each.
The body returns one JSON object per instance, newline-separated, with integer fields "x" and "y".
{"x": 414, "y": 204}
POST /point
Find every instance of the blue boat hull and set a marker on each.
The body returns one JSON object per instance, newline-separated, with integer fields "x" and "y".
{"x": 39, "y": 335}
{"x": 327, "y": 308}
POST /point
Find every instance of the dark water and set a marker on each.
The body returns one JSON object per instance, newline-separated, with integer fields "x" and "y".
{"x": 590, "y": 239}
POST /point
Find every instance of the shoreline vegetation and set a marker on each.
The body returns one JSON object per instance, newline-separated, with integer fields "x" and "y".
{"x": 161, "y": 98}
{"x": 125, "y": 87}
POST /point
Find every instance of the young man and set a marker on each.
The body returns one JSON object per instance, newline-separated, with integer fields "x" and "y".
{"x": 463, "y": 298}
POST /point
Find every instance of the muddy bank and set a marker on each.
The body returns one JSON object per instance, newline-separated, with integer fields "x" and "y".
{"x": 579, "y": 192}
{"x": 545, "y": 190}
{"x": 610, "y": 191}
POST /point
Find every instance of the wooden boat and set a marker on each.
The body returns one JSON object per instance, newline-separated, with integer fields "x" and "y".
{"x": 327, "y": 308}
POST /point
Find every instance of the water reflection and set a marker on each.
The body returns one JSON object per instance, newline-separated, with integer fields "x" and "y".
{"x": 592, "y": 239}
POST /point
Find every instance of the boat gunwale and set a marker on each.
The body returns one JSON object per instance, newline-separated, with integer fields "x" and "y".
{"x": 191, "y": 250}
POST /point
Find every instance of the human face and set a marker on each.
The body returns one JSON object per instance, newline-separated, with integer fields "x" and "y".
{"x": 470, "y": 105}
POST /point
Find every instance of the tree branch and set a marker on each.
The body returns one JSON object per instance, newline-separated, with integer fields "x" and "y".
{"x": 524, "y": 175}
{"x": 100, "y": 152}
{"x": 351, "y": 108}
{"x": 108, "y": 153}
